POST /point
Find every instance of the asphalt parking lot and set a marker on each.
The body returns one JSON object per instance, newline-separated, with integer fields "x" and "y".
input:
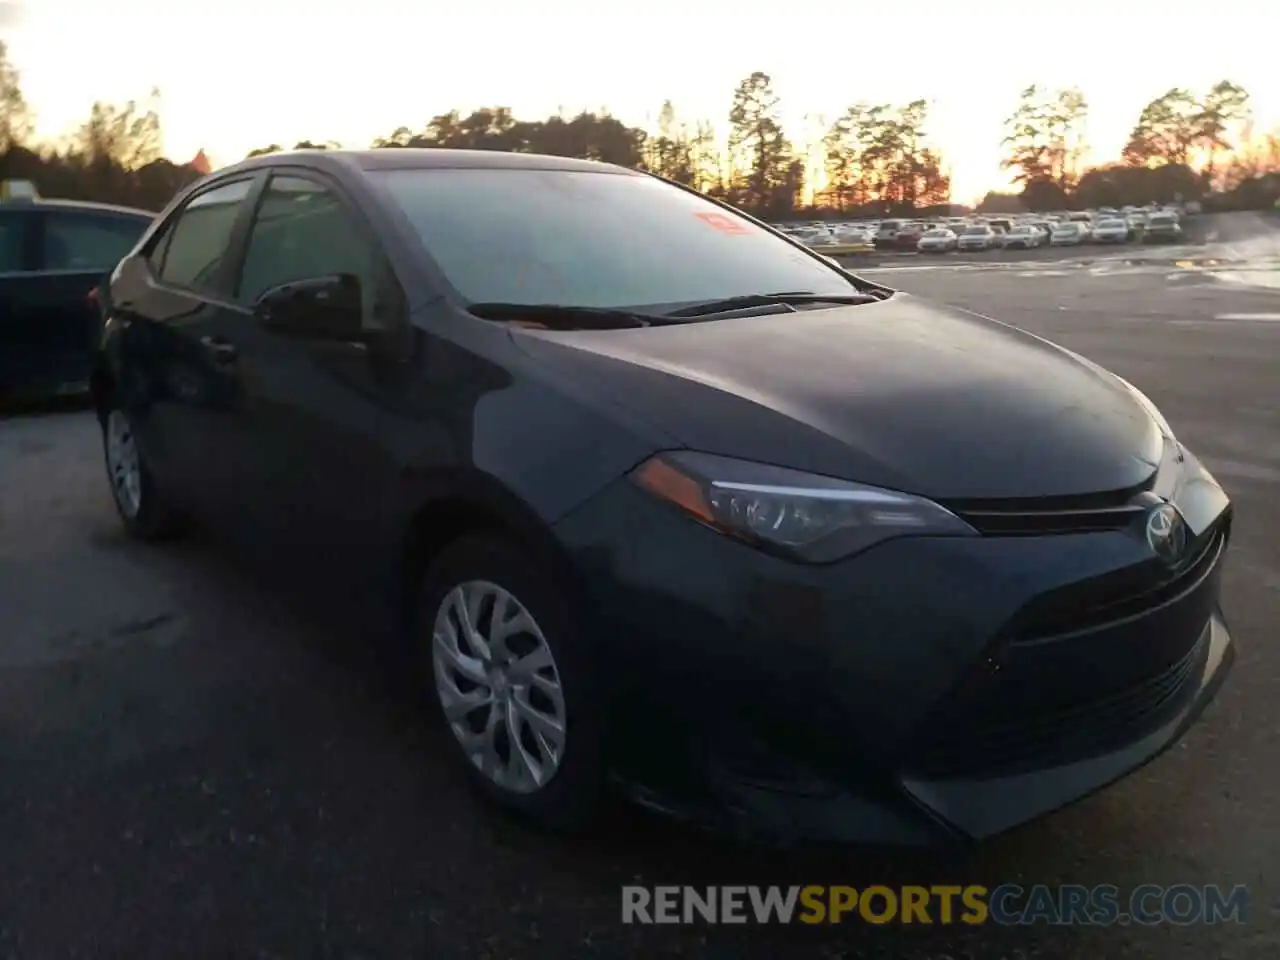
{"x": 198, "y": 763}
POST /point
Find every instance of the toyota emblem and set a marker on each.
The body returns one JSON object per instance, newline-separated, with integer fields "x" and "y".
{"x": 1167, "y": 533}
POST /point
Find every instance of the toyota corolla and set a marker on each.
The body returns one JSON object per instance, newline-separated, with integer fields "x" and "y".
{"x": 666, "y": 502}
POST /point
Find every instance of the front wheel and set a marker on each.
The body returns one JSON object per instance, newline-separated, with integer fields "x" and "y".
{"x": 142, "y": 508}
{"x": 513, "y": 682}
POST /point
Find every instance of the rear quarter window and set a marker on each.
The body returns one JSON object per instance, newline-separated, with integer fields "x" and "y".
{"x": 191, "y": 252}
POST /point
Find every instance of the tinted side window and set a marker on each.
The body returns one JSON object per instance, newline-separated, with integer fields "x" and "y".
{"x": 301, "y": 230}
{"x": 196, "y": 244}
{"x": 11, "y": 236}
{"x": 76, "y": 241}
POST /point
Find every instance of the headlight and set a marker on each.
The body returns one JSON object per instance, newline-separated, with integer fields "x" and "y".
{"x": 800, "y": 515}
{"x": 1152, "y": 410}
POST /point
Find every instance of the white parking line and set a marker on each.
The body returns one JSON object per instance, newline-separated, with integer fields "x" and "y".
{"x": 1260, "y": 321}
{"x": 1262, "y": 278}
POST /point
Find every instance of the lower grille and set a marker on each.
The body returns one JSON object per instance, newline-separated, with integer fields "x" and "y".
{"x": 1087, "y": 729}
{"x": 1072, "y": 679}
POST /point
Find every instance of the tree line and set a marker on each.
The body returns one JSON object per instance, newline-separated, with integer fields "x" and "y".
{"x": 1183, "y": 145}
{"x": 872, "y": 160}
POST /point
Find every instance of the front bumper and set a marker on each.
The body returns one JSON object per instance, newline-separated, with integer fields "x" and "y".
{"x": 928, "y": 690}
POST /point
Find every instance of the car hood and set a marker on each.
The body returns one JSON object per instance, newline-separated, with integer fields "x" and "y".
{"x": 903, "y": 394}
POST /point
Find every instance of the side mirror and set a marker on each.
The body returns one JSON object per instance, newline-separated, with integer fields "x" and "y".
{"x": 318, "y": 308}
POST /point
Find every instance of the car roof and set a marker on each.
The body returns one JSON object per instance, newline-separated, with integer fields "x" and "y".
{"x": 75, "y": 206}
{"x": 426, "y": 158}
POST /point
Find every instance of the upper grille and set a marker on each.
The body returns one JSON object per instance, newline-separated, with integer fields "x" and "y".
{"x": 1115, "y": 597}
{"x": 1049, "y": 515}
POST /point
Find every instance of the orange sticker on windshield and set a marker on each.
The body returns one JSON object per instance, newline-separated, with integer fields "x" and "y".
{"x": 723, "y": 223}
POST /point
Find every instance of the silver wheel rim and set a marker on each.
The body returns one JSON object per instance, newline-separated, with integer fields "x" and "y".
{"x": 123, "y": 464}
{"x": 499, "y": 686}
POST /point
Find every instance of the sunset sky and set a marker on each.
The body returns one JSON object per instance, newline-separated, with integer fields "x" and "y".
{"x": 241, "y": 74}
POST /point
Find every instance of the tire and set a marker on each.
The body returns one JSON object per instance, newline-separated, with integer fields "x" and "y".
{"x": 570, "y": 797}
{"x": 142, "y": 507}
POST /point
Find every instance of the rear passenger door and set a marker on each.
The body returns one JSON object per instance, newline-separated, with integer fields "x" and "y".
{"x": 17, "y": 264}
{"x": 76, "y": 249}
{"x": 50, "y": 260}
{"x": 177, "y": 317}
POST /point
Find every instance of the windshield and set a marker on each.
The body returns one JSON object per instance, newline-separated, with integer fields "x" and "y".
{"x": 1065, "y": 228}
{"x": 1159, "y": 218}
{"x": 938, "y": 233}
{"x": 593, "y": 239}
{"x": 1021, "y": 230}
{"x": 976, "y": 231}
{"x": 1113, "y": 224}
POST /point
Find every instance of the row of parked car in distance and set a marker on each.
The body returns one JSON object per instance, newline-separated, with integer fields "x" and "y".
{"x": 1149, "y": 224}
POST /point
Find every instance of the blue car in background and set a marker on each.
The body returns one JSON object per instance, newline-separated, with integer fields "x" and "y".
{"x": 53, "y": 253}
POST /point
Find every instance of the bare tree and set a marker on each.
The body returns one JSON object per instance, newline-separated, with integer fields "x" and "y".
{"x": 15, "y": 117}
{"x": 128, "y": 136}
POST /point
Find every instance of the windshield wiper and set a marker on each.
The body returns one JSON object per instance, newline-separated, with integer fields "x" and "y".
{"x": 563, "y": 316}
{"x": 729, "y": 304}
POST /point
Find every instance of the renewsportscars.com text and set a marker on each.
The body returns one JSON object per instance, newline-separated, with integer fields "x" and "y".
{"x": 1005, "y": 905}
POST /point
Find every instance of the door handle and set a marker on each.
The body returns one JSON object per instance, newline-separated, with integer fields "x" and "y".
{"x": 223, "y": 351}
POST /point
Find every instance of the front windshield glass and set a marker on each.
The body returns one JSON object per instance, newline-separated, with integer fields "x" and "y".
{"x": 977, "y": 231}
{"x": 938, "y": 233}
{"x": 593, "y": 239}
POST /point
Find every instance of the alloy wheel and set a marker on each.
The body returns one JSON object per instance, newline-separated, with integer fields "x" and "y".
{"x": 123, "y": 464}
{"x": 499, "y": 686}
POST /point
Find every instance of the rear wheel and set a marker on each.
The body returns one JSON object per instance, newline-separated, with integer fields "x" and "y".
{"x": 142, "y": 508}
{"x": 512, "y": 682}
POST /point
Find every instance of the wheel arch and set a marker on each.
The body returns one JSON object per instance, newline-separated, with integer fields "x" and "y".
{"x": 452, "y": 507}
{"x": 102, "y": 386}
